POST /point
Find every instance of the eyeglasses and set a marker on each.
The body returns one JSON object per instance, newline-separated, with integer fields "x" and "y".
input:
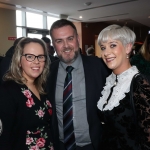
{"x": 31, "y": 57}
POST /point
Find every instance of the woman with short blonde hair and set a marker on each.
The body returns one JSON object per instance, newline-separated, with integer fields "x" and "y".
{"x": 123, "y": 110}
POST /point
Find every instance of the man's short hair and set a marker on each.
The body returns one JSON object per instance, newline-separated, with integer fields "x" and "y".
{"x": 61, "y": 23}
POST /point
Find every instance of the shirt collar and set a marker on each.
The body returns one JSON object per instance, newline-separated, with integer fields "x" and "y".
{"x": 75, "y": 64}
{"x": 124, "y": 75}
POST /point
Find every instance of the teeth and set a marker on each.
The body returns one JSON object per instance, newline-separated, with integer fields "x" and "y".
{"x": 35, "y": 68}
{"x": 110, "y": 59}
{"x": 67, "y": 51}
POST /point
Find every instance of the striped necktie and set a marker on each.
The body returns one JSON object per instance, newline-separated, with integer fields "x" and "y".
{"x": 69, "y": 138}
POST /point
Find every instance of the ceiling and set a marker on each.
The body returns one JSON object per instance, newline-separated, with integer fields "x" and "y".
{"x": 133, "y": 12}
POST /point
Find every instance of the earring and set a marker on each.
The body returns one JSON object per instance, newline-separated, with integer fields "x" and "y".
{"x": 127, "y": 56}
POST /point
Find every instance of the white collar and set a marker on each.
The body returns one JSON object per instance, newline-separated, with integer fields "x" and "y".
{"x": 122, "y": 87}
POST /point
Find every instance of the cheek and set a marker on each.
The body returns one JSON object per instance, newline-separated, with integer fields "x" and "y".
{"x": 43, "y": 66}
{"x": 102, "y": 55}
{"x": 22, "y": 64}
{"x": 58, "y": 48}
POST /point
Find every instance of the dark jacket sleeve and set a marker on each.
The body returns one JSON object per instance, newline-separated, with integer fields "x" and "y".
{"x": 11, "y": 116}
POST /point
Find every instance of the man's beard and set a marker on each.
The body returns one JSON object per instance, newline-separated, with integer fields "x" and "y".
{"x": 69, "y": 60}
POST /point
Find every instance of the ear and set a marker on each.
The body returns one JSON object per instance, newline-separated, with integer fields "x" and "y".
{"x": 128, "y": 48}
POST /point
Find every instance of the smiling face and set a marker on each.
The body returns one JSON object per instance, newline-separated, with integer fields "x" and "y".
{"x": 31, "y": 70}
{"x": 114, "y": 54}
{"x": 66, "y": 43}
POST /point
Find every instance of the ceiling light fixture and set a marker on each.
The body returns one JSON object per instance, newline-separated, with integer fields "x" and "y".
{"x": 80, "y": 17}
{"x": 87, "y": 3}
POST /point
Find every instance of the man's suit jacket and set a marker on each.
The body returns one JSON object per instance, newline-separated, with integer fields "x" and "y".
{"x": 95, "y": 76}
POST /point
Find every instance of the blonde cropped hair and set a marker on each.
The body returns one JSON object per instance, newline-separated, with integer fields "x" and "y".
{"x": 15, "y": 71}
{"x": 116, "y": 32}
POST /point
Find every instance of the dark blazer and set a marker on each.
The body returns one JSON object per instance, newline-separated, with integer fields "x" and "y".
{"x": 13, "y": 136}
{"x": 95, "y": 76}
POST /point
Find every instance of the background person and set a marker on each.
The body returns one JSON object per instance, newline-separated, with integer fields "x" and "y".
{"x": 87, "y": 81}
{"x": 25, "y": 111}
{"x": 50, "y": 49}
{"x": 116, "y": 112}
{"x": 142, "y": 59}
{"x": 6, "y": 61}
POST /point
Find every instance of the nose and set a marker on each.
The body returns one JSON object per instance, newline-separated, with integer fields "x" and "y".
{"x": 36, "y": 60}
{"x": 106, "y": 52}
{"x": 66, "y": 43}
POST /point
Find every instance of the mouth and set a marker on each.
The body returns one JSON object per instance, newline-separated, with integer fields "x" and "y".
{"x": 109, "y": 59}
{"x": 35, "y": 68}
{"x": 67, "y": 50}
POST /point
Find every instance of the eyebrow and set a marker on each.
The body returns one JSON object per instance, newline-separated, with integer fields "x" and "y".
{"x": 114, "y": 41}
{"x": 72, "y": 36}
{"x": 57, "y": 39}
{"x": 32, "y": 54}
{"x": 109, "y": 42}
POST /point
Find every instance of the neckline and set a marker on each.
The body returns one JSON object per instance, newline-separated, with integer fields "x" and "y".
{"x": 119, "y": 91}
{"x": 33, "y": 93}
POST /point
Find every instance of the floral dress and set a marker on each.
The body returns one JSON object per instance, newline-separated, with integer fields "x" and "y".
{"x": 38, "y": 135}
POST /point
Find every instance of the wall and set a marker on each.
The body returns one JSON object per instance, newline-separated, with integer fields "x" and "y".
{"x": 86, "y": 31}
{"x": 91, "y": 30}
{"x": 79, "y": 30}
{"x": 141, "y": 32}
{"x": 7, "y": 29}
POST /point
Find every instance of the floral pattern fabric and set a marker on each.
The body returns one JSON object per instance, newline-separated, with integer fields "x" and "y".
{"x": 120, "y": 130}
{"x": 38, "y": 136}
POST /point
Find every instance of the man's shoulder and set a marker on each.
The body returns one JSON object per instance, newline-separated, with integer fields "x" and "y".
{"x": 91, "y": 58}
{"x": 55, "y": 63}
{"x": 94, "y": 61}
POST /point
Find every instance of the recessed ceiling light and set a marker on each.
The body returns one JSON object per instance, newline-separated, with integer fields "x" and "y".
{"x": 80, "y": 17}
{"x": 87, "y": 3}
{"x": 148, "y": 16}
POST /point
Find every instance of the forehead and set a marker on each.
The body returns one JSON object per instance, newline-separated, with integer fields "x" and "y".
{"x": 33, "y": 48}
{"x": 111, "y": 41}
{"x": 63, "y": 32}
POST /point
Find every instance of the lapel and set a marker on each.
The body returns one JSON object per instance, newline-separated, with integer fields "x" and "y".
{"x": 88, "y": 82}
{"x": 52, "y": 81}
{"x": 52, "y": 88}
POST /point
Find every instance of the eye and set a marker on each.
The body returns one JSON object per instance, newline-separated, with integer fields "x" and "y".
{"x": 41, "y": 56}
{"x": 29, "y": 56}
{"x": 102, "y": 48}
{"x": 58, "y": 41}
{"x": 113, "y": 45}
{"x": 70, "y": 38}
